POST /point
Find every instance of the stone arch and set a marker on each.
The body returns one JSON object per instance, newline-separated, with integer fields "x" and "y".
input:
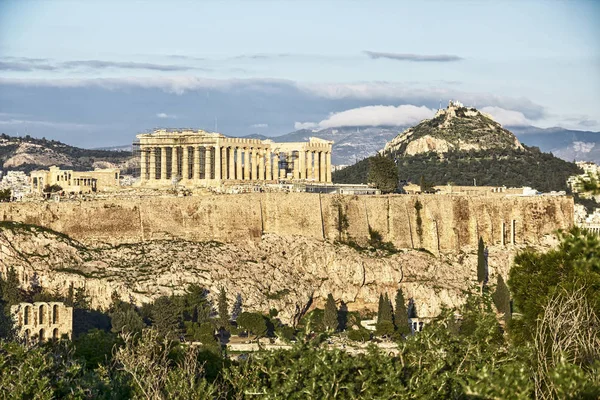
{"x": 27, "y": 335}
{"x": 55, "y": 313}
{"x": 41, "y": 312}
{"x": 41, "y": 336}
{"x": 27, "y": 315}
{"x": 55, "y": 334}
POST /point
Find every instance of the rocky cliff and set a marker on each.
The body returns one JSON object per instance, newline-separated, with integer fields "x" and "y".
{"x": 291, "y": 274}
{"x": 277, "y": 250}
{"x": 455, "y": 128}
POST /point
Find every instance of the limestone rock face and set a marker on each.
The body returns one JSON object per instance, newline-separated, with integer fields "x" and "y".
{"x": 289, "y": 273}
{"x": 454, "y": 128}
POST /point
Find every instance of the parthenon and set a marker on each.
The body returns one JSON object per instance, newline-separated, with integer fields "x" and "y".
{"x": 199, "y": 157}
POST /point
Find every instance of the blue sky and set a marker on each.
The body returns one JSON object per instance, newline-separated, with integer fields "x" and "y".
{"x": 96, "y": 72}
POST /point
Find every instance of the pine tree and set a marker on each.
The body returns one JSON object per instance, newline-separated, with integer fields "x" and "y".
{"x": 223, "y": 311}
{"x": 387, "y": 313}
{"x": 401, "y": 313}
{"x": 237, "y": 307}
{"x": 481, "y": 267}
{"x": 11, "y": 290}
{"x": 501, "y": 298}
{"x": 330, "y": 317}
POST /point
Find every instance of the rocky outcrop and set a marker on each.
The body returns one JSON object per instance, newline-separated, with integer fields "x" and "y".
{"x": 291, "y": 274}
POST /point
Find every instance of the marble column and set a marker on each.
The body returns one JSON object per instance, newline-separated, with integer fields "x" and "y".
{"x": 322, "y": 169}
{"x": 261, "y": 164}
{"x": 309, "y": 164}
{"x": 196, "y": 163}
{"x": 163, "y": 163}
{"x": 174, "y": 162}
{"x": 247, "y": 164}
{"x": 144, "y": 157}
{"x": 223, "y": 163}
{"x": 217, "y": 162}
{"x": 328, "y": 167}
{"x": 231, "y": 171}
{"x": 253, "y": 158}
{"x": 296, "y": 169}
{"x": 269, "y": 167}
{"x": 238, "y": 172}
{"x": 152, "y": 163}
{"x": 207, "y": 162}
{"x": 301, "y": 164}
{"x": 185, "y": 163}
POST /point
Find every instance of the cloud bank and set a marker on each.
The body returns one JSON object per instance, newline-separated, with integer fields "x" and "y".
{"x": 166, "y": 116}
{"x": 373, "y": 116}
{"x": 413, "y": 57}
{"x": 507, "y": 117}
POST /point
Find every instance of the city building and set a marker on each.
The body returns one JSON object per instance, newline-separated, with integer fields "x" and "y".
{"x": 17, "y": 182}
{"x": 41, "y": 321}
{"x": 75, "y": 181}
{"x": 195, "y": 158}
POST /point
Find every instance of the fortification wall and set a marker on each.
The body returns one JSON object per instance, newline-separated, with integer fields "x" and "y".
{"x": 446, "y": 222}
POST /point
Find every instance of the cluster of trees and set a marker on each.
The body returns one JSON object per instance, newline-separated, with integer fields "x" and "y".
{"x": 493, "y": 167}
{"x": 550, "y": 349}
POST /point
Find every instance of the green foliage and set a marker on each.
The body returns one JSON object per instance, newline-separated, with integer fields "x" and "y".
{"x": 419, "y": 228}
{"x": 223, "y": 310}
{"x": 330, "y": 316}
{"x": 401, "y": 314}
{"x": 10, "y": 289}
{"x": 482, "y": 275}
{"x": 5, "y": 195}
{"x": 52, "y": 188}
{"x": 166, "y": 317}
{"x": 492, "y": 167}
{"x": 254, "y": 323}
{"x": 383, "y": 173}
{"x": 535, "y": 277}
{"x": 95, "y": 347}
{"x": 125, "y": 319}
{"x": 501, "y": 298}
{"x": 359, "y": 335}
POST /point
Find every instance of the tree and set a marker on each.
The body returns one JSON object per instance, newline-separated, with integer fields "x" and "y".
{"x": 5, "y": 195}
{"x": 385, "y": 316}
{"x": 330, "y": 317}
{"x": 501, "y": 298}
{"x": 125, "y": 319}
{"x": 254, "y": 323}
{"x": 535, "y": 277}
{"x": 165, "y": 317}
{"x": 11, "y": 289}
{"x": 383, "y": 173}
{"x": 482, "y": 274}
{"x": 223, "y": 310}
{"x": 401, "y": 313}
{"x": 237, "y": 307}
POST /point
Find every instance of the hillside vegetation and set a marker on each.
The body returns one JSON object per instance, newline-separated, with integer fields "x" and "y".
{"x": 464, "y": 146}
{"x": 28, "y": 153}
{"x": 493, "y": 167}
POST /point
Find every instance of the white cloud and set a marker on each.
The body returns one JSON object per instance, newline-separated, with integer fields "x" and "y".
{"x": 259, "y": 125}
{"x": 378, "y": 115}
{"x": 507, "y": 117}
{"x": 166, "y": 116}
{"x": 583, "y": 147}
{"x": 305, "y": 125}
{"x": 44, "y": 124}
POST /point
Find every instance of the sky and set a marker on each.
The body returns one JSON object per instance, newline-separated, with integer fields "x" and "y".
{"x": 95, "y": 73}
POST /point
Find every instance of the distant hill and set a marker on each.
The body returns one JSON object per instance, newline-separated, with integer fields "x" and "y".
{"x": 27, "y": 154}
{"x": 350, "y": 143}
{"x": 563, "y": 143}
{"x": 464, "y": 146}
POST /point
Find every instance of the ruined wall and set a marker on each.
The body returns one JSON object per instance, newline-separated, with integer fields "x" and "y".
{"x": 447, "y": 222}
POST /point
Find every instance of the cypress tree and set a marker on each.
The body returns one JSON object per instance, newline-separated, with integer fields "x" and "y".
{"x": 386, "y": 311}
{"x": 401, "y": 313}
{"x": 481, "y": 267}
{"x": 501, "y": 298}
{"x": 330, "y": 317}
{"x": 222, "y": 308}
{"x": 11, "y": 291}
{"x": 380, "y": 308}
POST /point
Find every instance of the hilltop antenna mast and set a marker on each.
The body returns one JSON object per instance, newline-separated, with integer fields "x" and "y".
{"x": 440, "y": 104}
{"x": 216, "y": 123}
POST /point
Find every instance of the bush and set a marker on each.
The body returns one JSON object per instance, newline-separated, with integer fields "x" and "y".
{"x": 359, "y": 335}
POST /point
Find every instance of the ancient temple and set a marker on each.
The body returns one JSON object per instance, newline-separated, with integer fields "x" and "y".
{"x": 199, "y": 157}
